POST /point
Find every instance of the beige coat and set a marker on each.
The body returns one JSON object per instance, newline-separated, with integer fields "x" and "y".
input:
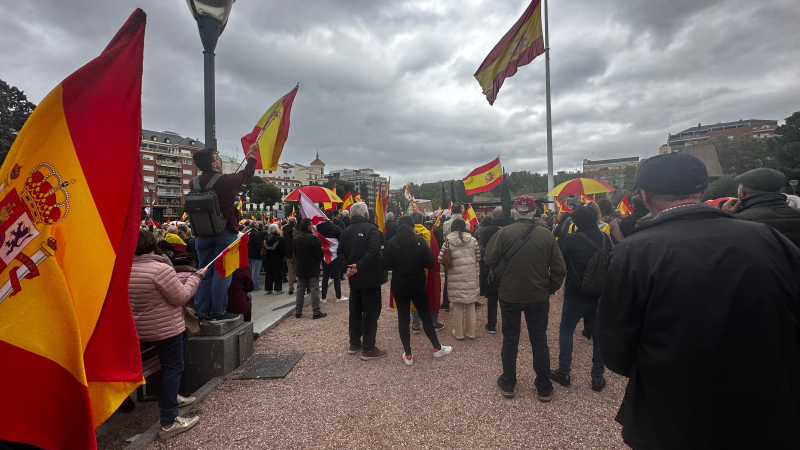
{"x": 462, "y": 276}
{"x": 157, "y": 298}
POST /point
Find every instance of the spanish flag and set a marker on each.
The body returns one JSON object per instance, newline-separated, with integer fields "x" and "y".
{"x": 624, "y": 207}
{"x": 330, "y": 206}
{"x": 358, "y": 197}
{"x": 271, "y": 132}
{"x": 379, "y": 218}
{"x": 184, "y": 217}
{"x": 233, "y": 257}
{"x": 484, "y": 178}
{"x": 520, "y": 45}
{"x": 68, "y": 346}
{"x": 470, "y": 217}
{"x": 239, "y": 207}
{"x": 562, "y": 207}
{"x": 348, "y": 202}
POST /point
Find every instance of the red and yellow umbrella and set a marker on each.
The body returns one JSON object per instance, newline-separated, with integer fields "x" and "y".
{"x": 316, "y": 194}
{"x": 581, "y": 186}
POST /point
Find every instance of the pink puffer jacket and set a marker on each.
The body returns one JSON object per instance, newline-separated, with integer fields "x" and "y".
{"x": 157, "y": 297}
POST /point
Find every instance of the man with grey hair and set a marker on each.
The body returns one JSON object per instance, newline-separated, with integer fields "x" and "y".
{"x": 391, "y": 226}
{"x": 534, "y": 273}
{"x": 346, "y": 217}
{"x": 360, "y": 248}
{"x": 696, "y": 305}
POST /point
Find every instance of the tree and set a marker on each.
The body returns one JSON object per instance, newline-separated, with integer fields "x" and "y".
{"x": 741, "y": 154}
{"x": 724, "y": 186}
{"x": 260, "y": 191}
{"x": 14, "y": 111}
{"x": 784, "y": 148}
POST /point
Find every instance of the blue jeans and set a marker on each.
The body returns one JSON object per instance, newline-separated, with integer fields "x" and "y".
{"x": 255, "y": 271}
{"x": 536, "y": 320}
{"x": 571, "y": 314}
{"x": 171, "y": 353}
{"x": 416, "y": 321}
{"x": 212, "y": 293}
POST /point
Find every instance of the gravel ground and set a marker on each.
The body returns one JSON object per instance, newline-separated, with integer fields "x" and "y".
{"x": 332, "y": 400}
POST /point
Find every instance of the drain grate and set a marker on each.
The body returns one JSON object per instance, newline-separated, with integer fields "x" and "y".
{"x": 270, "y": 366}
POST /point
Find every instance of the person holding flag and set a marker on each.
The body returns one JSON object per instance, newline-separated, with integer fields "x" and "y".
{"x": 211, "y": 299}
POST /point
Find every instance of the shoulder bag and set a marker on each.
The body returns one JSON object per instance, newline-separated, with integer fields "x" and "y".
{"x": 496, "y": 272}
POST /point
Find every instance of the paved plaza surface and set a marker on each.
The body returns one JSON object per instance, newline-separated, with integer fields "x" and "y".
{"x": 333, "y": 400}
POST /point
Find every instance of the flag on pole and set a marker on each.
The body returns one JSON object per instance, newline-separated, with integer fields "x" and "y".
{"x": 308, "y": 210}
{"x": 385, "y": 195}
{"x": 520, "y": 45}
{"x": 347, "y": 202}
{"x": 484, "y": 178}
{"x": 438, "y": 219}
{"x": 585, "y": 199}
{"x": 379, "y": 219}
{"x": 271, "y": 132}
{"x": 562, "y": 206}
{"x": 233, "y": 257}
{"x": 470, "y": 217}
{"x": 239, "y": 207}
{"x": 329, "y": 206}
{"x": 184, "y": 217}
{"x": 68, "y": 345}
{"x": 358, "y": 197}
{"x": 412, "y": 202}
{"x": 624, "y": 207}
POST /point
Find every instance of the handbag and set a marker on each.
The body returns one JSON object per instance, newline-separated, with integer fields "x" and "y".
{"x": 447, "y": 258}
{"x": 192, "y": 324}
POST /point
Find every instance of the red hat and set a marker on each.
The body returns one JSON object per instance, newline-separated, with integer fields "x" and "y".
{"x": 525, "y": 203}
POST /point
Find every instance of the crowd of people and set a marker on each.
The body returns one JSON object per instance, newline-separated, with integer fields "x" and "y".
{"x": 685, "y": 299}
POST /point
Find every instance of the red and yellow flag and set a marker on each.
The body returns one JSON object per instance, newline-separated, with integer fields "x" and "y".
{"x": 184, "y": 217}
{"x": 68, "y": 344}
{"x": 239, "y": 207}
{"x": 358, "y": 197}
{"x": 233, "y": 257}
{"x": 470, "y": 217}
{"x": 271, "y": 132}
{"x": 562, "y": 206}
{"x": 520, "y": 45}
{"x": 379, "y": 218}
{"x": 484, "y": 178}
{"x": 348, "y": 202}
{"x": 385, "y": 195}
{"x": 329, "y": 206}
{"x": 624, "y": 207}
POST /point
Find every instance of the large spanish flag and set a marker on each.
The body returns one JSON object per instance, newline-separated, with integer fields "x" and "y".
{"x": 348, "y": 201}
{"x": 520, "y": 45}
{"x": 69, "y": 353}
{"x": 470, "y": 217}
{"x": 484, "y": 178}
{"x": 233, "y": 257}
{"x": 271, "y": 132}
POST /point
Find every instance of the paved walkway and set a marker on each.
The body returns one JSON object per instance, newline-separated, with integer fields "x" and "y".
{"x": 333, "y": 400}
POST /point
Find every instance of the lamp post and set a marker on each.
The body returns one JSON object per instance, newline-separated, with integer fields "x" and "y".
{"x": 793, "y": 184}
{"x": 150, "y": 188}
{"x": 211, "y": 17}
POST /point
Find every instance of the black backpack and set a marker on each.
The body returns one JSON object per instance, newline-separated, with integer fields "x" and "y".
{"x": 202, "y": 207}
{"x": 594, "y": 277}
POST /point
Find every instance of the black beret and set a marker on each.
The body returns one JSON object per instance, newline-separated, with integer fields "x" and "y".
{"x": 762, "y": 179}
{"x": 672, "y": 174}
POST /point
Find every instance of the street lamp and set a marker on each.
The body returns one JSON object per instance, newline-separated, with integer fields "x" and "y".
{"x": 211, "y": 17}
{"x": 793, "y": 184}
{"x": 151, "y": 186}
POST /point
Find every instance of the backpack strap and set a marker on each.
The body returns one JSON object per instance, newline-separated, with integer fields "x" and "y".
{"x": 196, "y": 184}
{"x": 213, "y": 181}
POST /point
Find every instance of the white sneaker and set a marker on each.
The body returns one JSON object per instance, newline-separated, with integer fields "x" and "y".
{"x": 444, "y": 351}
{"x": 180, "y": 425}
{"x": 343, "y": 299}
{"x": 185, "y": 401}
{"x": 408, "y": 360}
{"x": 324, "y": 300}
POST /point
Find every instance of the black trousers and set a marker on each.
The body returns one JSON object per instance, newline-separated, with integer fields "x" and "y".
{"x": 536, "y": 320}
{"x": 274, "y": 278}
{"x": 331, "y": 271}
{"x": 482, "y": 278}
{"x": 445, "y": 297}
{"x": 365, "y": 309}
{"x": 491, "y": 306}
{"x": 422, "y": 303}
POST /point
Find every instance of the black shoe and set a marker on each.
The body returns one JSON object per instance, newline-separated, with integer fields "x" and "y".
{"x": 222, "y": 318}
{"x": 489, "y": 330}
{"x": 127, "y": 405}
{"x": 507, "y": 391}
{"x": 438, "y": 326}
{"x": 291, "y": 292}
{"x": 587, "y": 333}
{"x": 560, "y": 377}
{"x": 415, "y": 330}
{"x": 477, "y": 305}
{"x": 256, "y": 335}
{"x": 598, "y": 384}
{"x": 445, "y": 308}
{"x": 319, "y": 316}
{"x": 298, "y": 315}
{"x": 545, "y": 396}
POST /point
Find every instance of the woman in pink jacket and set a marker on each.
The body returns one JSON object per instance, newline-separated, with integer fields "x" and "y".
{"x": 157, "y": 297}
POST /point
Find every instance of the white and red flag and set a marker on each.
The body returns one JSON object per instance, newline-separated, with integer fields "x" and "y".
{"x": 308, "y": 210}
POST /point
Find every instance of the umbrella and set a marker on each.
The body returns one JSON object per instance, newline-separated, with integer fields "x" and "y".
{"x": 717, "y": 201}
{"x": 316, "y": 194}
{"x": 581, "y": 186}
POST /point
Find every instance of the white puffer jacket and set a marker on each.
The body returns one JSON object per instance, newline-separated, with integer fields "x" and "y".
{"x": 462, "y": 276}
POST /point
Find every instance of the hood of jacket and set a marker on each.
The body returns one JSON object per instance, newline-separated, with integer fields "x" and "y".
{"x": 454, "y": 241}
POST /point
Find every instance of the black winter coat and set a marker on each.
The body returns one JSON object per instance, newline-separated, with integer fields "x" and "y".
{"x": 408, "y": 267}
{"x": 391, "y": 229}
{"x": 275, "y": 256}
{"x": 577, "y": 252}
{"x": 307, "y": 253}
{"x": 289, "y": 231}
{"x": 329, "y": 230}
{"x": 696, "y": 306}
{"x": 627, "y": 224}
{"x": 771, "y": 209}
{"x": 360, "y": 244}
{"x": 254, "y": 245}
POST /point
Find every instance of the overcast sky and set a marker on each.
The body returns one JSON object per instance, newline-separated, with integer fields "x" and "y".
{"x": 389, "y": 84}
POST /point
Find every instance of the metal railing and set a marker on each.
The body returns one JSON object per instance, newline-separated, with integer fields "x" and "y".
{"x": 168, "y": 163}
{"x": 167, "y": 173}
{"x": 168, "y": 194}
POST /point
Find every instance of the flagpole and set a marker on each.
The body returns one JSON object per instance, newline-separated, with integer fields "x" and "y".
{"x": 550, "y": 180}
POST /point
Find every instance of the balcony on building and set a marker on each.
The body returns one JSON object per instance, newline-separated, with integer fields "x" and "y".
{"x": 168, "y": 173}
{"x": 163, "y": 193}
{"x": 168, "y": 202}
{"x": 168, "y": 163}
{"x": 168, "y": 181}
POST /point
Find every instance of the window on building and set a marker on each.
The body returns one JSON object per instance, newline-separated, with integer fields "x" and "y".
{"x": 186, "y": 181}
{"x": 191, "y": 142}
{"x": 147, "y": 157}
{"x": 186, "y": 153}
{"x": 147, "y": 178}
{"x": 153, "y": 138}
{"x": 187, "y": 172}
{"x": 146, "y": 167}
{"x": 185, "y": 191}
{"x": 166, "y": 140}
